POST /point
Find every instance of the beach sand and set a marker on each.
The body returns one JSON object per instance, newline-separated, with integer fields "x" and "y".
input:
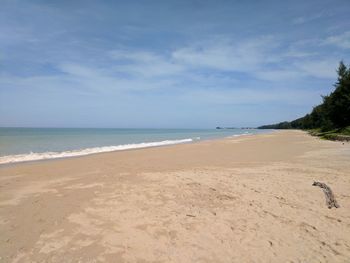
{"x": 245, "y": 199}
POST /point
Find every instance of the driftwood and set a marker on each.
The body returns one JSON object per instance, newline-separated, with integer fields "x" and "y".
{"x": 190, "y": 215}
{"x": 330, "y": 199}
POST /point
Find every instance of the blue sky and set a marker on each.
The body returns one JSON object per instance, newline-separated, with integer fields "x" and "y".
{"x": 195, "y": 64}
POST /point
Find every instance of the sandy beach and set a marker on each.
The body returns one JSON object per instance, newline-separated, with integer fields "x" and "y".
{"x": 245, "y": 199}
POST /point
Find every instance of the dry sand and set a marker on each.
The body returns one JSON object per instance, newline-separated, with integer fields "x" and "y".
{"x": 247, "y": 199}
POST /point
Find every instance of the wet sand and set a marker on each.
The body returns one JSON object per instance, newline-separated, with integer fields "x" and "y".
{"x": 246, "y": 199}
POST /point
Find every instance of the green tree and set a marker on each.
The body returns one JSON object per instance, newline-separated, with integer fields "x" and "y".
{"x": 337, "y": 104}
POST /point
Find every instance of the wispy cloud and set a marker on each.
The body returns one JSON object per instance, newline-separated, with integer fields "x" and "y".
{"x": 319, "y": 68}
{"x": 144, "y": 63}
{"x": 260, "y": 57}
{"x": 309, "y": 18}
{"x": 341, "y": 40}
{"x": 228, "y": 54}
{"x": 248, "y": 95}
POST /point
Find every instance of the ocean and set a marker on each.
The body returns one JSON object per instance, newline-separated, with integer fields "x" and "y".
{"x": 31, "y": 144}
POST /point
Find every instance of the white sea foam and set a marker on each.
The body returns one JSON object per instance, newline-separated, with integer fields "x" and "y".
{"x": 238, "y": 135}
{"x": 52, "y": 155}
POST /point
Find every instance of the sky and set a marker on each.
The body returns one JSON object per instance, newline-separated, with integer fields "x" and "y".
{"x": 167, "y": 64}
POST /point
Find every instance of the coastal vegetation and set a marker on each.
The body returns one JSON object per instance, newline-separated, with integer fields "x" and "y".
{"x": 330, "y": 119}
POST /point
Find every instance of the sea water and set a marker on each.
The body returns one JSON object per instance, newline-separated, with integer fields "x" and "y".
{"x": 30, "y": 144}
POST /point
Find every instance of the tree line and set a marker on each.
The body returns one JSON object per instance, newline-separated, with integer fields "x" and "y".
{"x": 333, "y": 113}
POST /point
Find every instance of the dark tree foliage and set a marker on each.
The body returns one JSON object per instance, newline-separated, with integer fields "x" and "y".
{"x": 333, "y": 113}
{"x": 337, "y": 104}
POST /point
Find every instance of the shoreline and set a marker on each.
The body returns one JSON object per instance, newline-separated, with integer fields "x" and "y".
{"x": 244, "y": 199}
{"x": 183, "y": 141}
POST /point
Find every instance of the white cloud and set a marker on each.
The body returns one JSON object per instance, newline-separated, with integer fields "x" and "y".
{"x": 144, "y": 63}
{"x": 305, "y": 19}
{"x": 299, "y": 20}
{"x": 318, "y": 68}
{"x": 342, "y": 40}
{"x": 279, "y": 75}
{"x": 262, "y": 58}
{"x": 223, "y": 54}
{"x": 134, "y": 55}
{"x": 78, "y": 70}
{"x": 250, "y": 95}
{"x": 294, "y": 53}
{"x": 185, "y": 69}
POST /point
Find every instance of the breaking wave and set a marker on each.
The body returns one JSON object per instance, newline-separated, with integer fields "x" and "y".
{"x": 53, "y": 155}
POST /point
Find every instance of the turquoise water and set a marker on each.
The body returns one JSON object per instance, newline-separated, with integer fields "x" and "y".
{"x": 23, "y": 144}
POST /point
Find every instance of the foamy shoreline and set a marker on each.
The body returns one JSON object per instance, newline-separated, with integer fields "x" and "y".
{"x": 30, "y": 157}
{"x": 88, "y": 151}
